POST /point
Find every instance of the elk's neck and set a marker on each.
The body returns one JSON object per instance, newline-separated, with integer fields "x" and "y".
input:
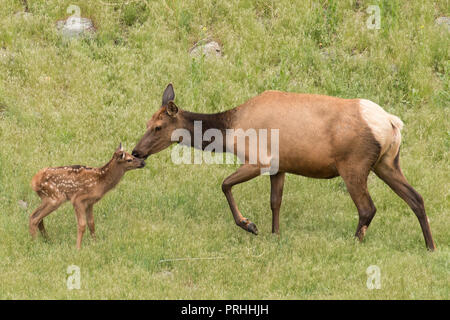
{"x": 110, "y": 175}
{"x": 197, "y": 123}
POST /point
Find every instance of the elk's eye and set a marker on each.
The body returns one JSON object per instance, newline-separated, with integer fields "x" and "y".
{"x": 157, "y": 128}
{"x": 129, "y": 160}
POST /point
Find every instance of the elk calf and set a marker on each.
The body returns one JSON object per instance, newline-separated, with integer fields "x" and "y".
{"x": 83, "y": 186}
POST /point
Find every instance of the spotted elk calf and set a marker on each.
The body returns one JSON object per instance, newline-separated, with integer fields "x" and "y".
{"x": 82, "y": 186}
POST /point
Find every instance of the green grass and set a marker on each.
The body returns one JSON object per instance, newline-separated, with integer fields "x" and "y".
{"x": 72, "y": 102}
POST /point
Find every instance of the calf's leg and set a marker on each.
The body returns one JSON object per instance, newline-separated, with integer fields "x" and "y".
{"x": 42, "y": 229}
{"x": 47, "y": 206}
{"x": 80, "y": 211}
{"x": 90, "y": 220}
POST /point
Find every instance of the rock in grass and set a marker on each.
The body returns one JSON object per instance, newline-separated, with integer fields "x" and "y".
{"x": 3, "y": 53}
{"x": 22, "y": 204}
{"x": 2, "y": 110}
{"x": 23, "y": 14}
{"x": 443, "y": 21}
{"x": 165, "y": 274}
{"x": 210, "y": 48}
{"x": 75, "y": 27}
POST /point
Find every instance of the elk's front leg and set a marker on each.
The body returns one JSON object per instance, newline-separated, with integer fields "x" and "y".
{"x": 80, "y": 211}
{"x": 244, "y": 173}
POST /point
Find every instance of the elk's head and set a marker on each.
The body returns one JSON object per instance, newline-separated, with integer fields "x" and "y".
{"x": 126, "y": 160}
{"x": 159, "y": 127}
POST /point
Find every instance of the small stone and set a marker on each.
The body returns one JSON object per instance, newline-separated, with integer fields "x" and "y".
{"x": 328, "y": 53}
{"x": 443, "y": 21}
{"x": 394, "y": 68}
{"x": 23, "y": 14}
{"x": 325, "y": 53}
{"x": 164, "y": 274}
{"x": 45, "y": 79}
{"x": 210, "y": 48}
{"x": 5, "y": 54}
{"x": 22, "y": 204}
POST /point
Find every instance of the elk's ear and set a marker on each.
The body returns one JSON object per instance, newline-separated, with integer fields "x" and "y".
{"x": 168, "y": 95}
{"x": 123, "y": 156}
{"x": 120, "y": 148}
{"x": 172, "y": 109}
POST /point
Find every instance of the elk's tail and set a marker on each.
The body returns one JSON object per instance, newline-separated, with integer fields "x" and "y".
{"x": 396, "y": 122}
{"x": 385, "y": 127}
{"x": 36, "y": 181}
{"x": 397, "y": 125}
{"x": 392, "y": 150}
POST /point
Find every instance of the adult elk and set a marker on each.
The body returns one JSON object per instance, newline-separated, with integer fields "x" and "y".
{"x": 319, "y": 137}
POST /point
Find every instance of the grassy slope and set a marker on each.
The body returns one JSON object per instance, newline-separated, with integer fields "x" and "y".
{"x": 71, "y": 103}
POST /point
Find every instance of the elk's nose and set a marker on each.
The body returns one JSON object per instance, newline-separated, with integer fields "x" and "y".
{"x": 135, "y": 154}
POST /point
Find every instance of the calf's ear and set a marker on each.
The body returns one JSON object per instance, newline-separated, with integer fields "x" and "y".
{"x": 168, "y": 95}
{"x": 119, "y": 148}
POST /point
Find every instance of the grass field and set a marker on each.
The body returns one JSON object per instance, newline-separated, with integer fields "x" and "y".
{"x": 71, "y": 102}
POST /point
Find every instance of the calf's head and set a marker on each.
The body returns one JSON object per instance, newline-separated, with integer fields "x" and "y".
{"x": 126, "y": 160}
{"x": 159, "y": 127}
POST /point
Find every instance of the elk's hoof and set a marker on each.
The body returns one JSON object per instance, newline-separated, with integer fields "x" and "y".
{"x": 251, "y": 227}
{"x": 362, "y": 233}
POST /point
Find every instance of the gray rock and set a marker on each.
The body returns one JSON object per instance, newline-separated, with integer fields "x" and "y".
{"x": 23, "y": 14}
{"x": 394, "y": 68}
{"x": 325, "y": 53}
{"x": 75, "y": 27}
{"x": 164, "y": 274}
{"x": 210, "y": 48}
{"x": 22, "y": 204}
{"x": 6, "y": 55}
{"x": 3, "y": 53}
{"x": 328, "y": 53}
{"x": 443, "y": 21}
{"x": 2, "y": 108}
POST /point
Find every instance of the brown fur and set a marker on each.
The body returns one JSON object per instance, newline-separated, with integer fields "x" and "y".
{"x": 319, "y": 137}
{"x": 82, "y": 186}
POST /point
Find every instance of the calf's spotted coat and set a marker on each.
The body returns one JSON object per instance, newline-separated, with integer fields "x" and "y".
{"x": 82, "y": 186}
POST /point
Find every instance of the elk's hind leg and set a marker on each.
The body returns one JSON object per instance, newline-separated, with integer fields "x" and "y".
{"x": 388, "y": 170}
{"x": 47, "y": 206}
{"x": 276, "y": 195}
{"x": 42, "y": 229}
{"x": 356, "y": 181}
{"x": 33, "y": 222}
